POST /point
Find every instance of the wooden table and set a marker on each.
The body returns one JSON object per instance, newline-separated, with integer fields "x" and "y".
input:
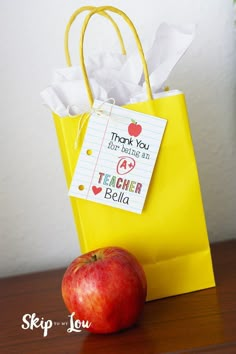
{"x": 200, "y": 322}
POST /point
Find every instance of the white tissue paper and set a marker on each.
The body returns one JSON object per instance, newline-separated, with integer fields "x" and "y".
{"x": 119, "y": 76}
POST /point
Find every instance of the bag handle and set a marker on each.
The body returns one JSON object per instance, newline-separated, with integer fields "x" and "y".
{"x": 72, "y": 19}
{"x": 136, "y": 37}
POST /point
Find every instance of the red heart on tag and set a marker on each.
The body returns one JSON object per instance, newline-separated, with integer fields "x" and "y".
{"x": 96, "y": 190}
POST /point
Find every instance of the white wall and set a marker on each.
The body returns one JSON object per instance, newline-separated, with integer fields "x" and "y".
{"x": 37, "y": 229}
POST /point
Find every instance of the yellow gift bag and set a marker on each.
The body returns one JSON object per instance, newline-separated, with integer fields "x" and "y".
{"x": 170, "y": 237}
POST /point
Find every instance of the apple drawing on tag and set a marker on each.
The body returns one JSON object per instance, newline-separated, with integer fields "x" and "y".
{"x": 134, "y": 129}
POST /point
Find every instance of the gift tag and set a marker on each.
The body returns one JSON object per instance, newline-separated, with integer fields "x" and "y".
{"x": 117, "y": 157}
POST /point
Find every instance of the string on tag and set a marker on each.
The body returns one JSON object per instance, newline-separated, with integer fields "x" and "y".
{"x": 83, "y": 118}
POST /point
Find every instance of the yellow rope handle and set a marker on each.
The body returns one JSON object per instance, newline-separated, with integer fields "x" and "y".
{"x": 72, "y": 19}
{"x": 139, "y": 45}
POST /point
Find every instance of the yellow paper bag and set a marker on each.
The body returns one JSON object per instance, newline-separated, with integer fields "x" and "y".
{"x": 170, "y": 237}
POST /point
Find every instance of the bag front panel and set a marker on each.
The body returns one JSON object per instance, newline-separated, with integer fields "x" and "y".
{"x": 172, "y": 225}
{"x": 173, "y": 216}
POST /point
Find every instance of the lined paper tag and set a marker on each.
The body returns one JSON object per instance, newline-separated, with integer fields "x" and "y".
{"x": 117, "y": 157}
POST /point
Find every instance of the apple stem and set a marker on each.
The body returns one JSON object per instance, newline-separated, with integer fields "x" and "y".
{"x": 94, "y": 258}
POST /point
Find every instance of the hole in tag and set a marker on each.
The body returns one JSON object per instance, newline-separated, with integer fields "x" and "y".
{"x": 89, "y": 152}
{"x": 81, "y": 187}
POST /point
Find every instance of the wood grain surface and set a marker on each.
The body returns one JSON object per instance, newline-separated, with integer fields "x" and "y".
{"x": 199, "y": 322}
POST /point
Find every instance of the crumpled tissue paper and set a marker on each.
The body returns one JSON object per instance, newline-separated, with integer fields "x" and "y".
{"x": 119, "y": 76}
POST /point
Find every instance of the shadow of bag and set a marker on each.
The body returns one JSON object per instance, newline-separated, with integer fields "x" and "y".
{"x": 170, "y": 237}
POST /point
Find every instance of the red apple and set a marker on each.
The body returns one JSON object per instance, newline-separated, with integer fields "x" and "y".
{"x": 134, "y": 129}
{"x": 106, "y": 287}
